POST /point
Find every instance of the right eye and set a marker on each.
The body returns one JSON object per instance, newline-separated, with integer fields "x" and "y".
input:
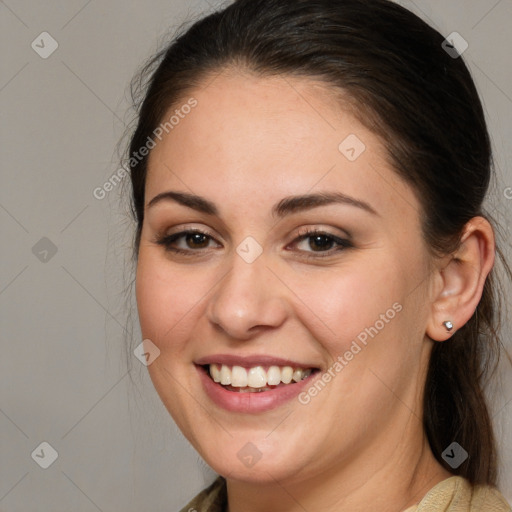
{"x": 195, "y": 239}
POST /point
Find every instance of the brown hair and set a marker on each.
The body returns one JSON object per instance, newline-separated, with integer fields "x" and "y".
{"x": 409, "y": 91}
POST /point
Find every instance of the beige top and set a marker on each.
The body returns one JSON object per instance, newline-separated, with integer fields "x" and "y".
{"x": 454, "y": 494}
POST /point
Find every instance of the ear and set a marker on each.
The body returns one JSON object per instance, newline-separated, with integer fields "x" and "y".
{"x": 461, "y": 277}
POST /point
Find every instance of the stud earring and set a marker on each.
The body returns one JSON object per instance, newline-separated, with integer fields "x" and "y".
{"x": 448, "y": 325}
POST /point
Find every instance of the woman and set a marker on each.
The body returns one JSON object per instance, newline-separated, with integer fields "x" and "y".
{"x": 314, "y": 267}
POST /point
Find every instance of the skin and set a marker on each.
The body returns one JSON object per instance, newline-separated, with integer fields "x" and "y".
{"x": 359, "y": 444}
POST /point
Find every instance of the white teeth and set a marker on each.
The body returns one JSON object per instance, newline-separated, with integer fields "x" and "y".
{"x": 225, "y": 375}
{"x": 287, "y": 374}
{"x": 274, "y": 376}
{"x": 256, "y": 377}
{"x": 215, "y": 373}
{"x": 297, "y": 375}
{"x": 239, "y": 377}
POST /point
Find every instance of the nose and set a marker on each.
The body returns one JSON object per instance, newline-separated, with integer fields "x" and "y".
{"x": 249, "y": 299}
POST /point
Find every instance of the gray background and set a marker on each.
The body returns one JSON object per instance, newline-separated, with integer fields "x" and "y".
{"x": 63, "y": 316}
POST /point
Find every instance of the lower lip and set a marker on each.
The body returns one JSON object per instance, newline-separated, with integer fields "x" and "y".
{"x": 250, "y": 402}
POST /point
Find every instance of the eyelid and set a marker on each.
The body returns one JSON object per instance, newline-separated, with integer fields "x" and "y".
{"x": 304, "y": 233}
{"x": 317, "y": 229}
{"x": 181, "y": 230}
{"x": 167, "y": 238}
{"x": 301, "y": 232}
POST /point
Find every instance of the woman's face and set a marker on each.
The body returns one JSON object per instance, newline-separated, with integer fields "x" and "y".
{"x": 260, "y": 296}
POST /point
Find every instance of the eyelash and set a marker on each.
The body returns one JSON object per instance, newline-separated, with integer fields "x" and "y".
{"x": 343, "y": 244}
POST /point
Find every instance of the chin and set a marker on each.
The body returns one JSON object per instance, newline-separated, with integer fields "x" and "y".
{"x": 249, "y": 464}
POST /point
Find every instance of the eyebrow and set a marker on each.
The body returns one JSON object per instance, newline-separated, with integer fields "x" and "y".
{"x": 286, "y": 206}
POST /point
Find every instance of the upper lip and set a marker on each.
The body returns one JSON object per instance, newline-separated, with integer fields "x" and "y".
{"x": 250, "y": 361}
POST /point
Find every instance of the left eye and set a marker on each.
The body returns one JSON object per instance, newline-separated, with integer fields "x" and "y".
{"x": 322, "y": 242}
{"x": 195, "y": 240}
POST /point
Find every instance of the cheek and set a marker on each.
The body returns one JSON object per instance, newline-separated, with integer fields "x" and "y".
{"x": 163, "y": 297}
{"x": 171, "y": 299}
{"x": 165, "y": 309}
{"x": 343, "y": 304}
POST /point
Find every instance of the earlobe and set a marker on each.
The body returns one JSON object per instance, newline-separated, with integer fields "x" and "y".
{"x": 463, "y": 278}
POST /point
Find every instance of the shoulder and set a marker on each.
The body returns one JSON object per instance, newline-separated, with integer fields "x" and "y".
{"x": 456, "y": 494}
{"x": 211, "y": 499}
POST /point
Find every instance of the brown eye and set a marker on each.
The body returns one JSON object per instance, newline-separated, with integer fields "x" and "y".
{"x": 196, "y": 240}
{"x": 192, "y": 241}
{"x": 321, "y": 243}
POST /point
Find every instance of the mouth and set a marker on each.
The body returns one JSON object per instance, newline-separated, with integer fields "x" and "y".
{"x": 256, "y": 379}
{"x": 254, "y": 383}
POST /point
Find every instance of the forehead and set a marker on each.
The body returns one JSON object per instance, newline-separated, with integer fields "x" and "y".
{"x": 254, "y": 140}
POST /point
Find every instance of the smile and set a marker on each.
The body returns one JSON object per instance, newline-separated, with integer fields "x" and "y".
{"x": 252, "y": 384}
{"x": 255, "y": 379}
